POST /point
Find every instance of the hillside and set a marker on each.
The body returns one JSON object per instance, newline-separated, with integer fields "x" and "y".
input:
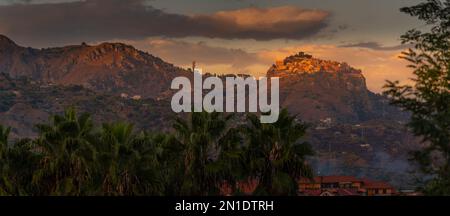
{"x": 108, "y": 67}
{"x": 24, "y": 103}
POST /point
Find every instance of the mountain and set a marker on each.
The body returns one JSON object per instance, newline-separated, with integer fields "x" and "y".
{"x": 319, "y": 89}
{"x": 107, "y": 67}
{"x": 313, "y": 88}
{"x": 353, "y": 131}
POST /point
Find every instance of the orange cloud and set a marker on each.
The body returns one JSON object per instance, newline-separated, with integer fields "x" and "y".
{"x": 272, "y": 19}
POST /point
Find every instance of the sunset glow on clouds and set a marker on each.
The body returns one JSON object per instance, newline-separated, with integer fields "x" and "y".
{"x": 285, "y": 21}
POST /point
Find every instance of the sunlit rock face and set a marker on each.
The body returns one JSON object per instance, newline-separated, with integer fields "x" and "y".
{"x": 318, "y": 89}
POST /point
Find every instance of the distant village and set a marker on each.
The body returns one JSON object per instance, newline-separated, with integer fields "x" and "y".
{"x": 302, "y": 62}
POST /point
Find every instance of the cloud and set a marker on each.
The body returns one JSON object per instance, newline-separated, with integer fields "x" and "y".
{"x": 17, "y": 1}
{"x": 287, "y": 22}
{"x": 94, "y": 20}
{"x": 376, "y": 46}
{"x": 184, "y": 52}
{"x": 211, "y": 58}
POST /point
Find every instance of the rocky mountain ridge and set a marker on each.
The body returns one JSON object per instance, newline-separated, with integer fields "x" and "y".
{"x": 107, "y": 67}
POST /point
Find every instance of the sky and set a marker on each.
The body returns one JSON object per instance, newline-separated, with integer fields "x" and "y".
{"x": 225, "y": 36}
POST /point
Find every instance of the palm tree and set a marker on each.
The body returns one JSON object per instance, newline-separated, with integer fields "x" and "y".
{"x": 128, "y": 162}
{"x": 4, "y": 133}
{"x": 17, "y": 163}
{"x": 205, "y": 141}
{"x": 274, "y": 155}
{"x": 171, "y": 163}
{"x": 66, "y": 154}
{"x": 4, "y": 181}
{"x": 206, "y": 151}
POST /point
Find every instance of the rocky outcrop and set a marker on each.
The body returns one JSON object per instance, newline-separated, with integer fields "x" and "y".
{"x": 319, "y": 89}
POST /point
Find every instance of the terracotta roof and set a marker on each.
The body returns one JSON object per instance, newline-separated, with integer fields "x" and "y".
{"x": 311, "y": 192}
{"x": 330, "y": 179}
{"x": 376, "y": 185}
{"x": 337, "y": 192}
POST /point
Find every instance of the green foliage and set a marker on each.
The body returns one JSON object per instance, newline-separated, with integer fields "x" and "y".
{"x": 205, "y": 151}
{"x": 429, "y": 99}
{"x": 274, "y": 154}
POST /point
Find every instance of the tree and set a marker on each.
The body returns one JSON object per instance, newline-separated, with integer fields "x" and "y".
{"x": 18, "y": 165}
{"x": 170, "y": 162}
{"x": 205, "y": 145}
{"x": 428, "y": 100}
{"x": 205, "y": 152}
{"x": 127, "y": 162}
{"x": 4, "y": 133}
{"x": 275, "y": 155}
{"x": 4, "y": 181}
{"x": 66, "y": 154}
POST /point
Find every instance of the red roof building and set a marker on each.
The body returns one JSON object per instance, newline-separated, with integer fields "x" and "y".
{"x": 343, "y": 186}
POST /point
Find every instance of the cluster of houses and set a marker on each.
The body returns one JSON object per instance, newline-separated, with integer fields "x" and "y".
{"x": 304, "y": 63}
{"x": 301, "y": 62}
{"x": 344, "y": 186}
{"x": 329, "y": 186}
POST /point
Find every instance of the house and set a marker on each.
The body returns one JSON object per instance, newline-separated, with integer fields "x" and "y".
{"x": 378, "y": 188}
{"x": 320, "y": 186}
{"x": 330, "y": 182}
{"x": 331, "y": 192}
{"x": 343, "y": 186}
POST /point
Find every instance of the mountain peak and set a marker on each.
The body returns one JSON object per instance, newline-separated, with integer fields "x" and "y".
{"x": 305, "y": 63}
